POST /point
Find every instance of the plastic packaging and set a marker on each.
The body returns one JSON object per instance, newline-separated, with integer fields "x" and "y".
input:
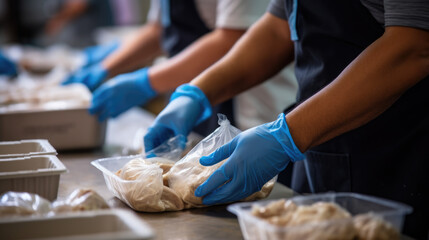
{"x": 360, "y": 205}
{"x": 148, "y": 184}
{"x": 187, "y": 174}
{"x": 24, "y": 203}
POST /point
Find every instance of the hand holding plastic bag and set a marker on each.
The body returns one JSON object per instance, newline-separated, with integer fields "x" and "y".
{"x": 187, "y": 108}
{"x": 255, "y": 157}
{"x": 187, "y": 174}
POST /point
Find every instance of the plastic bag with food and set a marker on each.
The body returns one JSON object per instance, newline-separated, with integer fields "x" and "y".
{"x": 187, "y": 174}
{"x": 139, "y": 181}
{"x": 25, "y": 204}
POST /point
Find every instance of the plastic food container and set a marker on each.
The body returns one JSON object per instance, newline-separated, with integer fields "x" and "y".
{"x": 65, "y": 129}
{"x": 253, "y": 227}
{"x": 101, "y": 224}
{"x": 34, "y": 174}
{"x": 109, "y": 166}
{"x": 26, "y": 148}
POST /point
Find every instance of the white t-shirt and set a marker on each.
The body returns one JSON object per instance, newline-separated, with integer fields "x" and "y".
{"x": 262, "y": 103}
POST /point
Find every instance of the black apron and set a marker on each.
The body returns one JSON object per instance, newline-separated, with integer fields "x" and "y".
{"x": 387, "y": 157}
{"x": 182, "y": 25}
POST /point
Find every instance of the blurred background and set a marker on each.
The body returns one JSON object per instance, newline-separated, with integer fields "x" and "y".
{"x": 76, "y": 23}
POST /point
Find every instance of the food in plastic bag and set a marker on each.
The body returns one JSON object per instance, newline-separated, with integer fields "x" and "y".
{"x": 158, "y": 184}
{"x": 187, "y": 174}
{"x": 322, "y": 220}
{"x": 372, "y": 227}
{"x": 23, "y": 203}
{"x": 80, "y": 200}
{"x": 150, "y": 192}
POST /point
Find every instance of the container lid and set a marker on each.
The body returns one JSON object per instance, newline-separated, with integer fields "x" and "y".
{"x": 26, "y": 148}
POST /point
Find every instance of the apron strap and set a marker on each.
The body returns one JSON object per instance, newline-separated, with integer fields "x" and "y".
{"x": 292, "y": 21}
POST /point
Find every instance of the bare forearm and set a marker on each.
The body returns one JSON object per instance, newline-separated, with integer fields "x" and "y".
{"x": 263, "y": 51}
{"x": 365, "y": 89}
{"x": 136, "y": 52}
{"x": 193, "y": 60}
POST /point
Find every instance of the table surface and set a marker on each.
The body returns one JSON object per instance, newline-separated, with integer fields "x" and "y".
{"x": 122, "y": 138}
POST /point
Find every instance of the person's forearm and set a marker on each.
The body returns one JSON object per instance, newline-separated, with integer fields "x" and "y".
{"x": 263, "y": 51}
{"x": 365, "y": 89}
{"x": 135, "y": 52}
{"x": 193, "y": 60}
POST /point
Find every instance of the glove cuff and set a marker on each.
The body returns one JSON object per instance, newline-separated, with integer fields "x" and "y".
{"x": 143, "y": 83}
{"x": 280, "y": 130}
{"x": 196, "y": 94}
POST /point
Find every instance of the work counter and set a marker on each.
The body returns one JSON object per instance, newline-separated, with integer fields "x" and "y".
{"x": 203, "y": 223}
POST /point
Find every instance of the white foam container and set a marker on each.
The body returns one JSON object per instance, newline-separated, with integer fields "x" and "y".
{"x": 253, "y": 227}
{"x": 66, "y": 129}
{"x": 34, "y": 174}
{"x": 100, "y": 224}
{"x": 26, "y": 148}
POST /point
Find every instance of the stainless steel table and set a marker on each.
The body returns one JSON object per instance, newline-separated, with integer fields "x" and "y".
{"x": 205, "y": 223}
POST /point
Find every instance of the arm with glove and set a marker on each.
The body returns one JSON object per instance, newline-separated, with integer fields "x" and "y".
{"x": 137, "y": 88}
{"x": 258, "y": 154}
{"x": 106, "y": 61}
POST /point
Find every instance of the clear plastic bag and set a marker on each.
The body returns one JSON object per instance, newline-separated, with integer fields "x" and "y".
{"x": 23, "y": 204}
{"x": 26, "y": 204}
{"x": 139, "y": 181}
{"x": 187, "y": 174}
{"x": 160, "y": 184}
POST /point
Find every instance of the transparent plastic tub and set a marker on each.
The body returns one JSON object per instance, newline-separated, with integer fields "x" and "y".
{"x": 253, "y": 227}
{"x": 120, "y": 187}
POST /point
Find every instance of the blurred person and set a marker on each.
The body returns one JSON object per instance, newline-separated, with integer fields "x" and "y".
{"x": 194, "y": 34}
{"x": 75, "y": 22}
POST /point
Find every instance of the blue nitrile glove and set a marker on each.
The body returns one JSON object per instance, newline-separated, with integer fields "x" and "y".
{"x": 7, "y": 67}
{"x": 255, "y": 157}
{"x": 121, "y": 93}
{"x": 96, "y": 54}
{"x": 188, "y": 107}
{"x": 90, "y": 77}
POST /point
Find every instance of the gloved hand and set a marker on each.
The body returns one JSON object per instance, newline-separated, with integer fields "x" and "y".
{"x": 187, "y": 108}
{"x": 96, "y": 54}
{"x": 90, "y": 77}
{"x": 121, "y": 93}
{"x": 7, "y": 67}
{"x": 255, "y": 157}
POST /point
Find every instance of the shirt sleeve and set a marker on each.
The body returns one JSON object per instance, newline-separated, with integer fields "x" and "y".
{"x": 277, "y": 8}
{"x": 239, "y": 14}
{"x": 154, "y": 14}
{"x": 409, "y": 13}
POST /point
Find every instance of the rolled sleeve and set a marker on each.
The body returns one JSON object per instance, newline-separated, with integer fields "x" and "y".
{"x": 239, "y": 14}
{"x": 277, "y": 8}
{"x": 410, "y": 13}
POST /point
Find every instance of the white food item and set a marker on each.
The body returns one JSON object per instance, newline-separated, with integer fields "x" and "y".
{"x": 146, "y": 191}
{"x": 22, "y": 204}
{"x": 186, "y": 175}
{"x": 80, "y": 200}
{"x": 371, "y": 227}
